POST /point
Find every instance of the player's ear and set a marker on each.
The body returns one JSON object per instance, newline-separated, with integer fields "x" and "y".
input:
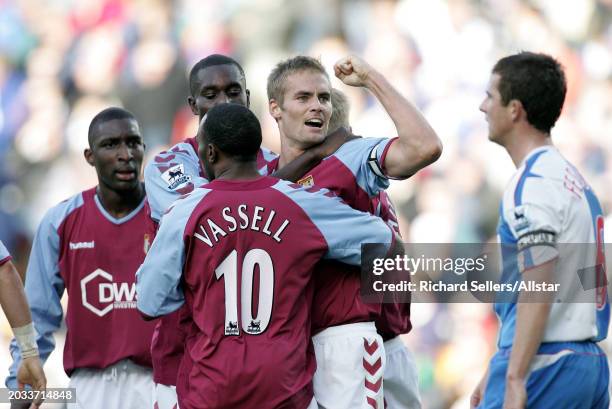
{"x": 248, "y": 94}
{"x": 192, "y": 104}
{"x": 212, "y": 154}
{"x": 89, "y": 157}
{"x": 516, "y": 109}
{"x": 275, "y": 109}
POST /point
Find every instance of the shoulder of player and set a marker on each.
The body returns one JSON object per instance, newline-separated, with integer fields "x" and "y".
{"x": 357, "y": 147}
{"x": 172, "y": 170}
{"x": 60, "y": 212}
{"x": 267, "y": 155}
{"x": 550, "y": 165}
{"x": 182, "y": 152}
{"x": 543, "y": 170}
{"x": 186, "y": 203}
{"x": 307, "y": 198}
{"x": 267, "y": 161}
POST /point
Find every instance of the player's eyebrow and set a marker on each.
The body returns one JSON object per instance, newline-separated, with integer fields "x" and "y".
{"x": 117, "y": 138}
{"x": 209, "y": 87}
{"x": 102, "y": 139}
{"x": 303, "y": 93}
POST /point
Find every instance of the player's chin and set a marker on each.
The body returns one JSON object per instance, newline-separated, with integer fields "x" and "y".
{"x": 314, "y": 136}
{"x": 125, "y": 185}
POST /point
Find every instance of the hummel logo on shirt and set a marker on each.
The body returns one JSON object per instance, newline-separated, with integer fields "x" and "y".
{"x": 82, "y": 245}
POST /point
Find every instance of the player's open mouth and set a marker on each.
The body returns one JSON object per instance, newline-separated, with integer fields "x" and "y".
{"x": 315, "y": 123}
{"x": 126, "y": 174}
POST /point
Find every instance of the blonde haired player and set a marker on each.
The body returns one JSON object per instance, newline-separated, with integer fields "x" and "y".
{"x": 350, "y": 352}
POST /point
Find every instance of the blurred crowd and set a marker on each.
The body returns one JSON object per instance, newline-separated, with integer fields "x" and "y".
{"x": 62, "y": 61}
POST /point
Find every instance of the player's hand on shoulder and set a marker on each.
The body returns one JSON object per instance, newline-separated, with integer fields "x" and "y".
{"x": 333, "y": 142}
{"x": 352, "y": 71}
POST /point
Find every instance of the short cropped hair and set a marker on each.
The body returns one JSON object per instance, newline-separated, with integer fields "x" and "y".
{"x": 211, "y": 60}
{"x": 538, "y": 82}
{"x": 234, "y": 130}
{"x": 280, "y": 73}
{"x": 106, "y": 115}
{"x": 340, "y": 110}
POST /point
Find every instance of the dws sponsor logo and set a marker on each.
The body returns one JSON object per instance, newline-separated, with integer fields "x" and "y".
{"x": 103, "y": 295}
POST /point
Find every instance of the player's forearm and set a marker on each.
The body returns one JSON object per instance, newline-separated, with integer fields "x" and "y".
{"x": 532, "y": 313}
{"x": 295, "y": 169}
{"x": 12, "y": 296}
{"x": 531, "y": 319}
{"x": 418, "y": 144}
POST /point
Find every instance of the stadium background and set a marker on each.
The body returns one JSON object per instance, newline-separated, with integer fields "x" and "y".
{"x": 61, "y": 61}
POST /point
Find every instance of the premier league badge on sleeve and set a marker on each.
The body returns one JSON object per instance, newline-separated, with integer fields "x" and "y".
{"x": 175, "y": 177}
{"x": 520, "y": 220}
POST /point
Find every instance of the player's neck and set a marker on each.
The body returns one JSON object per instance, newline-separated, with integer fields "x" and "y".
{"x": 237, "y": 170}
{"x": 119, "y": 204}
{"x": 523, "y": 142}
{"x": 288, "y": 152}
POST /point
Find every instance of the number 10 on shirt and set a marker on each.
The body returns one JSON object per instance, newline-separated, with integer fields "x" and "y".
{"x": 228, "y": 269}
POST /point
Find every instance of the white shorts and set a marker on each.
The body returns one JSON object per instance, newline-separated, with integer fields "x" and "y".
{"x": 401, "y": 380}
{"x": 350, "y": 366}
{"x": 165, "y": 397}
{"x": 123, "y": 385}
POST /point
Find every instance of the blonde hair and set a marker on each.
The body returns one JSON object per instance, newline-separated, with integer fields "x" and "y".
{"x": 280, "y": 73}
{"x": 340, "y": 110}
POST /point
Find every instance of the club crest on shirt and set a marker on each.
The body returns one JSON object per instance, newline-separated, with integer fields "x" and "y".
{"x": 307, "y": 181}
{"x": 175, "y": 177}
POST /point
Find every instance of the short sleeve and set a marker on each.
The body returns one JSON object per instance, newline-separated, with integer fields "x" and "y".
{"x": 536, "y": 220}
{"x": 364, "y": 157}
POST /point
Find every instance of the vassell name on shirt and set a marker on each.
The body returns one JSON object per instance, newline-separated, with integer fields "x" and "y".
{"x": 257, "y": 219}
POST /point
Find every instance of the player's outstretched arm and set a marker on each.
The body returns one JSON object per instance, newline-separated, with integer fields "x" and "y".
{"x": 158, "y": 289}
{"x": 12, "y": 296}
{"x": 532, "y": 313}
{"x": 158, "y": 280}
{"x": 15, "y": 306}
{"x": 418, "y": 145}
{"x": 43, "y": 288}
{"x": 344, "y": 229}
